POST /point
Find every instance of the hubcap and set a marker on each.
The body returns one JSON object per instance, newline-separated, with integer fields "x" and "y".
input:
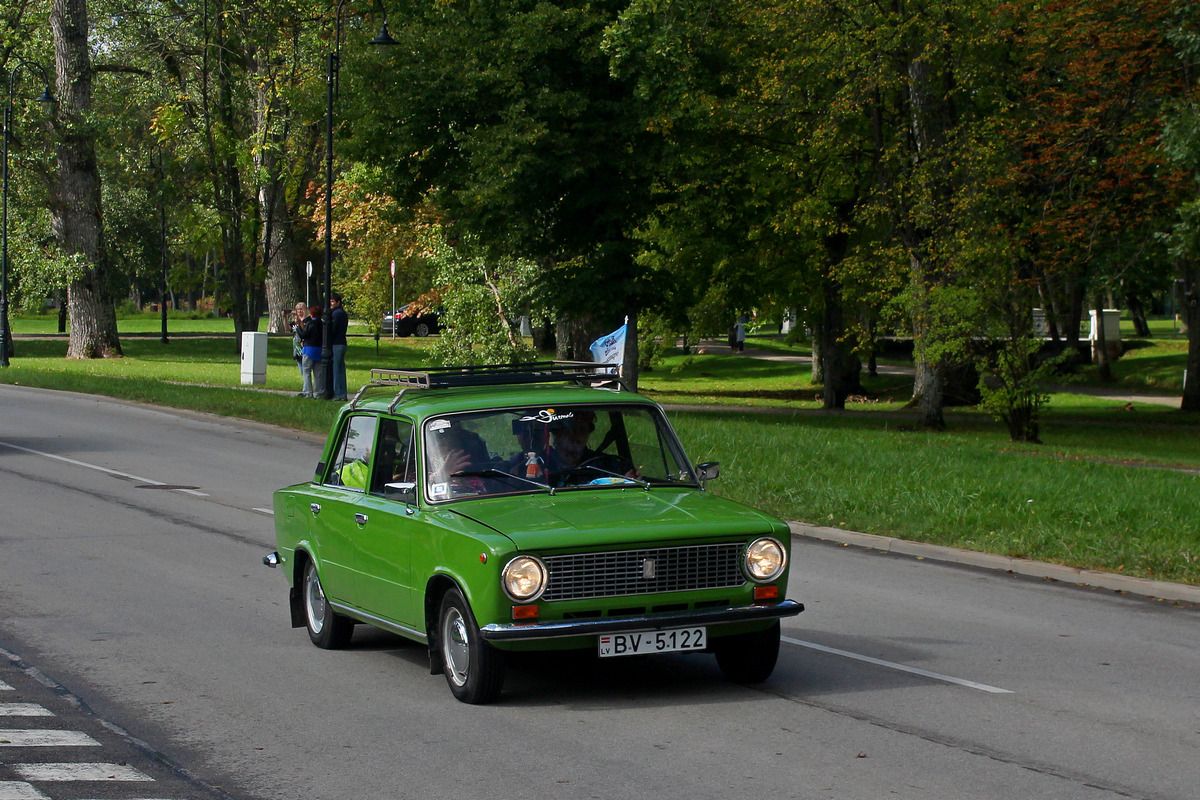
{"x": 314, "y": 598}
{"x": 455, "y": 652}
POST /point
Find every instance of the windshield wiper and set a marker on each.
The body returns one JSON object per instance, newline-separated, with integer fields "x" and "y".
{"x": 491, "y": 472}
{"x": 645, "y": 484}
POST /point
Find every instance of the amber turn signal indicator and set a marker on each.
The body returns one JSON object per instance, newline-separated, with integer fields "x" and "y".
{"x": 766, "y": 592}
{"x": 524, "y": 612}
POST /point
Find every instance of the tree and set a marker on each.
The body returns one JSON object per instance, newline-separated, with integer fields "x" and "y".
{"x": 506, "y": 116}
{"x": 76, "y": 214}
{"x": 1181, "y": 143}
{"x": 1092, "y": 177}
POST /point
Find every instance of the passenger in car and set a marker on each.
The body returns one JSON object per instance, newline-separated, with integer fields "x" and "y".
{"x": 569, "y": 440}
{"x": 454, "y": 448}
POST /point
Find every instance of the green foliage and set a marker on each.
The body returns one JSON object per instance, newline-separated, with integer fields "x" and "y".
{"x": 1010, "y": 385}
{"x": 1181, "y": 133}
{"x": 481, "y": 308}
{"x": 505, "y": 114}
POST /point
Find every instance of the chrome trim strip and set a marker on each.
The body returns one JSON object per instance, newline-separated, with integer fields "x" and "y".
{"x": 371, "y": 619}
{"x": 516, "y": 632}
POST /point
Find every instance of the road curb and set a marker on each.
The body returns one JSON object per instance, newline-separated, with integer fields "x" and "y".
{"x": 1126, "y": 584}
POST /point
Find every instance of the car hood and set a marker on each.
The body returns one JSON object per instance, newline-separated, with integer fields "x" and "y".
{"x": 605, "y": 517}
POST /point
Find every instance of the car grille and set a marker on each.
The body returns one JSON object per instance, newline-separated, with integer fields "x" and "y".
{"x": 648, "y": 571}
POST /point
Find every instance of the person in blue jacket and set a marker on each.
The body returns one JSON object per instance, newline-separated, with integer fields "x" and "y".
{"x": 338, "y": 323}
{"x": 310, "y": 359}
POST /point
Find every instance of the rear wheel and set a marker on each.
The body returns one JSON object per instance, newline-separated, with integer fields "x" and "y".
{"x": 422, "y": 329}
{"x": 327, "y": 629}
{"x": 474, "y": 669}
{"x": 748, "y": 657}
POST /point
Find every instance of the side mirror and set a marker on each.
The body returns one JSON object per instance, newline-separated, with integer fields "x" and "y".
{"x": 404, "y": 492}
{"x": 708, "y": 471}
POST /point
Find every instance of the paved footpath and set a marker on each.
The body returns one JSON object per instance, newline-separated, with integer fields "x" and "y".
{"x": 1118, "y": 395}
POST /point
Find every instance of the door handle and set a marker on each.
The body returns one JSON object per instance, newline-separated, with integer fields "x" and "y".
{"x": 314, "y": 508}
{"x": 361, "y": 519}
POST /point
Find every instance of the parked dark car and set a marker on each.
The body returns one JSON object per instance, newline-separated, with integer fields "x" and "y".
{"x": 418, "y": 322}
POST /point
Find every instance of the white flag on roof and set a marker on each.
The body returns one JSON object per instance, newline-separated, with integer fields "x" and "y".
{"x": 610, "y": 349}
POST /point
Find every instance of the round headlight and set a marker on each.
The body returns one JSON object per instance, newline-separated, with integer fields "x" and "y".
{"x": 765, "y": 559}
{"x": 524, "y": 579}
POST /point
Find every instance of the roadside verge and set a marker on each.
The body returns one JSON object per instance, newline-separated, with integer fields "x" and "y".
{"x": 1125, "y": 584}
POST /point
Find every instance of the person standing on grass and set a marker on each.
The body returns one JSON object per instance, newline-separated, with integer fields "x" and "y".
{"x": 338, "y": 323}
{"x": 294, "y": 319}
{"x": 738, "y": 336}
{"x": 311, "y": 365}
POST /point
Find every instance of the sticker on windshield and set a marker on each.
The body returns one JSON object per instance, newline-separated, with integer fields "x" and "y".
{"x": 439, "y": 425}
{"x": 439, "y": 491}
{"x": 546, "y": 416}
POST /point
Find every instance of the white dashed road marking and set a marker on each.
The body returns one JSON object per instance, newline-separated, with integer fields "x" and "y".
{"x": 78, "y": 772}
{"x": 106, "y": 470}
{"x": 4, "y": 687}
{"x": 24, "y": 710}
{"x": 19, "y": 790}
{"x": 44, "y": 738}
{"x": 983, "y": 687}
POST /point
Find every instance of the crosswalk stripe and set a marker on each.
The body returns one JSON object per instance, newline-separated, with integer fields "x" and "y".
{"x": 24, "y": 710}
{"x": 19, "y": 790}
{"x": 45, "y": 738}
{"x": 78, "y": 772}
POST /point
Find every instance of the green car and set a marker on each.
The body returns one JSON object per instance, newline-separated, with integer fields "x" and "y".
{"x": 484, "y": 510}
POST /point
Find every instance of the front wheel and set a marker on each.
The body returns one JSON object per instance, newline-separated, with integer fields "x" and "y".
{"x": 748, "y": 657}
{"x": 326, "y": 628}
{"x": 474, "y": 669}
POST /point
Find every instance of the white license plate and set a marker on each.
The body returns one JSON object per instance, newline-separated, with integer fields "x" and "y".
{"x": 672, "y": 641}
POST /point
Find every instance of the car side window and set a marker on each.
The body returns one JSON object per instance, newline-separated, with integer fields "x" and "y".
{"x": 352, "y": 460}
{"x": 394, "y": 473}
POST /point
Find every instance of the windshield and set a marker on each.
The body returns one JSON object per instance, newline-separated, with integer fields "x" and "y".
{"x": 521, "y": 450}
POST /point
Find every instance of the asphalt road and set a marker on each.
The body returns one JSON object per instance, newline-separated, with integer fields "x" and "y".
{"x": 135, "y": 612}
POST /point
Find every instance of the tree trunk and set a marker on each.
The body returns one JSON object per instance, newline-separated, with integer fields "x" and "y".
{"x": 929, "y": 384}
{"x": 228, "y": 196}
{"x": 1074, "y": 318}
{"x": 930, "y": 399}
{"x": 1100, "y": 345}
{"x": 278, "y": 241}
{"x": 1137, "y": 313}
{"x": 1191, "y": 314}
{"x": 629, "y": 366}
{"x": 279, "y": 248}
{"x": 818, "y": 361}
{"x": 76, "y": 214}
{"x": 839, "y": 368}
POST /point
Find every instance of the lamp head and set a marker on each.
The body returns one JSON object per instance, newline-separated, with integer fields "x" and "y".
{"x": 383, "y": 37}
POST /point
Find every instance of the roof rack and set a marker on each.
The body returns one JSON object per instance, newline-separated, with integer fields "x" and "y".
{"x": 491, "y": 375}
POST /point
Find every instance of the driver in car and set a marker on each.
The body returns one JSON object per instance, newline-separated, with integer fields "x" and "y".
{"x": 569, "y": 440}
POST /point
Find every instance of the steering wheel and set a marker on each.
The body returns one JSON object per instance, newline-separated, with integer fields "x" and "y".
{"x": 605, "y": 461}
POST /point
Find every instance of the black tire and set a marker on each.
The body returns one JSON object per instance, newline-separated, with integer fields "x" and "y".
{"x": 748, "y": 657}
{"x": 474, "y": 669}
{"x": 327, "y": 629}
{"x": 422, "y": 329}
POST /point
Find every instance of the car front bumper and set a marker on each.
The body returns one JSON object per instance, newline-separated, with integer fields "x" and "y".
{"x": 526, "y": 631}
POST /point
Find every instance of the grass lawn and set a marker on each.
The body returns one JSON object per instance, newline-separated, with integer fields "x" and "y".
{"x": 1098, "y": 494}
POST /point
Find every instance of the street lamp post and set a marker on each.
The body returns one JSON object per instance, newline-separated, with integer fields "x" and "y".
{"x": 331, "y": 87}
{"x": 156, "y": 164}
{"x": 5, "y": 332}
